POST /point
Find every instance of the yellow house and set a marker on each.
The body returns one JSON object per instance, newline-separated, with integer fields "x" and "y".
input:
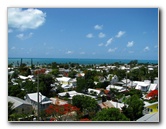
{"x": 150, "y": 108}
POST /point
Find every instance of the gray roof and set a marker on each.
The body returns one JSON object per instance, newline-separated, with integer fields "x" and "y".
{"x": 17, "y": 101}
{"x": 149, "y": 118}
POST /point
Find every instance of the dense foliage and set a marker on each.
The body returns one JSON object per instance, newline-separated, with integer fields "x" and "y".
{"x": 86, "y": 104}
{"x": 110, "y": 114}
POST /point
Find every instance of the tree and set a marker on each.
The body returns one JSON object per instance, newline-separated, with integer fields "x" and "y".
{"x": 72, "y": 74}
{"x": 134, "y": 108}
{"x": 134, "y": 92}
{"x": 11, "y": 110}
{"x": 88, "y": 106}
{"x": 45, "y": 82}
{"x": 55, "y": 72}
{"x": 15, "y": 90}
{"x": 153, "y": 95}
{"x": 110, "y": 114}
{"x": 62, "y": 112}
{"x": 54, "y": 65}
{"x": 81, "y": 85}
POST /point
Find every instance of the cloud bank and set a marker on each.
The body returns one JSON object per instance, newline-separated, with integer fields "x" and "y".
{"x": 25, "y": 19}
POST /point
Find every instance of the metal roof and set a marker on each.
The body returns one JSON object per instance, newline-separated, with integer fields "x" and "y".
{"x": 149, "y": 118}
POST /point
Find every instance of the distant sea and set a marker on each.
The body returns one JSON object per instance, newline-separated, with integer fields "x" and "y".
{"x": 41, "y": 61}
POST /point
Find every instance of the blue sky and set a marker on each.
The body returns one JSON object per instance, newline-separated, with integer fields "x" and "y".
{"x": 105, "y": 33}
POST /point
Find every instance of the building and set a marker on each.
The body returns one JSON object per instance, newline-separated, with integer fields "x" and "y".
{"x": 21, "y": 106}
{"x": 44, "y": 101}
{"x": 150, "y": 108}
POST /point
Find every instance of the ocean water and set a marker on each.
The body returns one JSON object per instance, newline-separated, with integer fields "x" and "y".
{"x": 41, "y": 61}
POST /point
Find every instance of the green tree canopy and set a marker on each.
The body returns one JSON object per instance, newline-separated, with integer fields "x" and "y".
{"x": 86, "y": 104}
{"x": 110, "y": 114}
{"x": 134, "y": 108}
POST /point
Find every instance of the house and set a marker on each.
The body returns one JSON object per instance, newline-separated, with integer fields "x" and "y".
{"x": 57, "y": 101}
{"x": 32, "y": 98}
{"x": 63, "y": 80}
{"x": 150, "y": 108}
{"x": 119, "y": 88}
{"x": 66, "y": 82}
{"x": 73, "y": 93}
{"x": 153, "y": 87}
{"x": 95, "y": 92}
{"x": 106, "y": 104}
{"x": 21, "y": 106}
{"x": 143, "y": 86}
{"x": 117, "y": 104}
{"x": 111, "y": 104}
{"x": 113, "y": 79}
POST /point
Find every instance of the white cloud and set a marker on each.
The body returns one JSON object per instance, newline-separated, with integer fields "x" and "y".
{"x": 23, "y": 37}
{"x": 101, "y": 44}
{"x": 98, "y": 27}
{"x": 130, "y": 44}
{"x": 25, "y": 19}
{"x": 69, "y": 52}
{"x": 112, "y": 50}
{"x": 109, "y": 41}
{"x": 90, "y": 35}
{"x": 10, "y": 30}
{"x": 101, "y": 35}
{"x": 146, "y": 48}
{"x": 120, "y": 34}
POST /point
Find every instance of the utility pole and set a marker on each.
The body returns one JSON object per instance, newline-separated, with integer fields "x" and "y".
{"x": 38, "y": 96}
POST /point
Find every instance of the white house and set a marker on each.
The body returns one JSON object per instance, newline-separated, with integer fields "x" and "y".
{"x": 117, "y": 104}
{"x": 119, "y": 88}
{"x": 143, "y": 86}
{"x": 44, "y": 101}
{"x": 94, "y": 91}
{"x": 66, "y": 82}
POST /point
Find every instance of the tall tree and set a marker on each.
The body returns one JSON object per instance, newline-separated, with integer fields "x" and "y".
{"x": 134, "y": 108}
{"x": 87, "y": 105}
{"x": 110, "y": 114}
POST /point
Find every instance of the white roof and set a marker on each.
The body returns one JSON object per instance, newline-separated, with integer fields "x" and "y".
{"x": 139, "y": 83}
{"x": 153, "y": 87}
{"x": 149, "y": 104}
{"x": 33, "y": 96}
{"x": 117, "y": 105}
{"x": 113, "y": 86}
{"x": 124, "y": 80}
{"x": 64, "y": 79}
{"x": 70, "y": 93}
{"x": 24, "y": 77}
{"x": 97, "y": 91}
{"x": 73, "y": 93}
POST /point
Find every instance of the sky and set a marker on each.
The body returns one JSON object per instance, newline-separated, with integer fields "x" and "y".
{"x": 102, "y": 33}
